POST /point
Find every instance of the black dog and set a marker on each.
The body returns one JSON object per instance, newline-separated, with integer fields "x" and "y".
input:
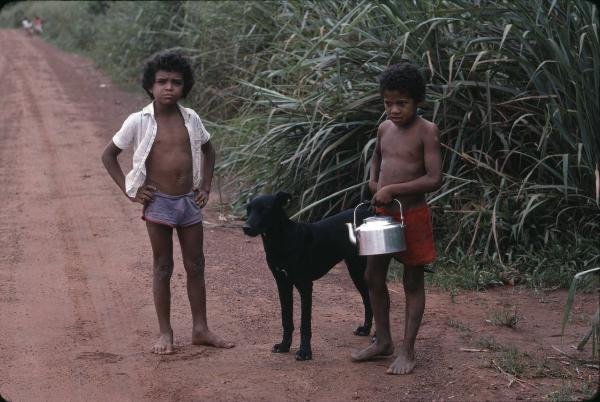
{"x": 300, "y": 253}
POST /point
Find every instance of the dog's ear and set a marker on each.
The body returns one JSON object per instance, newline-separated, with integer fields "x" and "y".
{"x": 282, "y": 198}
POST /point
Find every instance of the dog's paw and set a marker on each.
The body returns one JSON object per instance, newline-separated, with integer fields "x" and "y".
{"x": 304, "y": 354}
{"x": 281, "y": 348}
{"x": 362, "y": 331}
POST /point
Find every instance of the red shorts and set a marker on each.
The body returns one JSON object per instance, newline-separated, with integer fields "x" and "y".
{"x": 418, "y": 234}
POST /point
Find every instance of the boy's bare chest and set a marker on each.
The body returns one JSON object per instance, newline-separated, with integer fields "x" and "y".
{"x": 406, "y": 146}
{"x": 172, "y": 135}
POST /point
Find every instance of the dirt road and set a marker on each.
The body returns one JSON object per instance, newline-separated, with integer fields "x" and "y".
{"x": 76, "y": 315}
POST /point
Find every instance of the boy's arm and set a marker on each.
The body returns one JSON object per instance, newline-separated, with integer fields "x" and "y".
{"x": 375, "y": 166}
{"x": 110, "y": 162}
{"x": 431, "y": 181}
{"x": 208, "y": 168}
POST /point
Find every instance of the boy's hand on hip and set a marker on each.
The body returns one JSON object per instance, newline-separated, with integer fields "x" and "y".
{"x": 202, "y": 198}
{"x": 144, "y": 194}
{"x": 382, "y": 197}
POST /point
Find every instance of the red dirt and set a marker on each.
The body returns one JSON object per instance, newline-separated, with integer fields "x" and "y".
{"x": 76, "y": 312}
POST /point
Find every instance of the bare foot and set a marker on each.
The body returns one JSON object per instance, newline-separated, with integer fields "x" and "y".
{"x": 373, "y": 351}
{"x": 209, "y": 339}
{"x": 164, "y": 345}
{"x": 404, "y": 363}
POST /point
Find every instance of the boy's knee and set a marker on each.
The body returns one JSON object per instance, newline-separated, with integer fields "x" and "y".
{"x": 195, "y": 267}
{"x": 163, "y": 269}
{"x": 412, "y": 286}
{"x": 413, "y": 279}
{"x": 374, "y": 279}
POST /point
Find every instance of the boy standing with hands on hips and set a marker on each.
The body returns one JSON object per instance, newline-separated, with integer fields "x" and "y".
{"x": 406, "y": 165}
{"x": 173, "y": 164}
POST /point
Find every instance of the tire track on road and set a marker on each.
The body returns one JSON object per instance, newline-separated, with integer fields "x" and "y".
{"x": 58, "y": 290}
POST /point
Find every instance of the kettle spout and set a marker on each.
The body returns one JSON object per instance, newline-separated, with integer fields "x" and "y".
{"x": 351, "y": 233}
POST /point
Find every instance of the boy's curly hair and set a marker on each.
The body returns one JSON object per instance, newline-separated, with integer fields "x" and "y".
{"x": 171, "y": 61}
{"x": 403, "y": 77}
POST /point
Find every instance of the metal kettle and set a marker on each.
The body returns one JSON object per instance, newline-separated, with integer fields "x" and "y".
{"x": 378, "y": 234}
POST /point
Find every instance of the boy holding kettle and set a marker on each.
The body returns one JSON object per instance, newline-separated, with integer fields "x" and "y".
{"x": 406, "y": 165}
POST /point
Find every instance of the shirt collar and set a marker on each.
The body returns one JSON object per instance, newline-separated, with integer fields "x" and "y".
{"x": 149, "y": 109}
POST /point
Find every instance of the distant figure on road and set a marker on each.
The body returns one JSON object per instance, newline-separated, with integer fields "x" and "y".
{"x": 27, "y": 26}
{"x": 37, "y": 25}
{"x": 173, "y": 164}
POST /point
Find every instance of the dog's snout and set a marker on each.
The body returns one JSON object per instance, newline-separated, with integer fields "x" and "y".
{"x": 249, "y": 230}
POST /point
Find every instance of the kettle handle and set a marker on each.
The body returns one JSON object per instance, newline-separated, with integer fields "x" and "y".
{"x": 362, "y": 203}
{"x": 401, "y": 214}
{"x": 368, "y": 203}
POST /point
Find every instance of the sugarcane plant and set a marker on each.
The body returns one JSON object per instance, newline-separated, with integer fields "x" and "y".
{"x": 594, "y": 331}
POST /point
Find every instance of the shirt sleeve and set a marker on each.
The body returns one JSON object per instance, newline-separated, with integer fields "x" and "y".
{"x": 125, "y": 136}
{"x": 203, "y": 134}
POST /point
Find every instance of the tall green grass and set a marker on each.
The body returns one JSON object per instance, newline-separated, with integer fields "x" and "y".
{"x": 512, "y": 85}
{"x": 291, "y": 90}
{"x": 594, "y": 331}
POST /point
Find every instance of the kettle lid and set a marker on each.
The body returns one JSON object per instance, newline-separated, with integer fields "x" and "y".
{"x": 376, "y": 223}
{"x": 377, "y": 220}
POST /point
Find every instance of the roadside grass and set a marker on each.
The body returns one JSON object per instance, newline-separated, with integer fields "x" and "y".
{"x": 549, "y": 268}
{"x": 570, "y": 392}
{"x": 505, "y": 317}
{"x": 590, "y": 389}
{"x": 487, "y": 342}
{"x": 464, "y": 331}
{"x": 522, "y": 366}
{"x": 564, "y": 393}
{"x": 512, "y": 361}
{"x": 464, "y": 273}
{"x": 593, "y": 333}
{"x": 549, "y": 368}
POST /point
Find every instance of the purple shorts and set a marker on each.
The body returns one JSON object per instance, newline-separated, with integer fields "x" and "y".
{"x": 173, "y": 210}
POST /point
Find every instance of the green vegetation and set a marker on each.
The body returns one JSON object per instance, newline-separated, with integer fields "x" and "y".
{"x": 570, "y": 392}
{"x": 519, "y": 366}
{"x": 512, "y": 361}
{"x": 594, "y": 331}
{"x": 505, "y": 317}
{"x": 465, "y": 331}
{"x": 291, "y": 90}
{"x": 488, "y": 342}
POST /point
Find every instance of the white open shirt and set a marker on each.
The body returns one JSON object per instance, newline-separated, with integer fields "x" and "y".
{"x": 140, "y": 129}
